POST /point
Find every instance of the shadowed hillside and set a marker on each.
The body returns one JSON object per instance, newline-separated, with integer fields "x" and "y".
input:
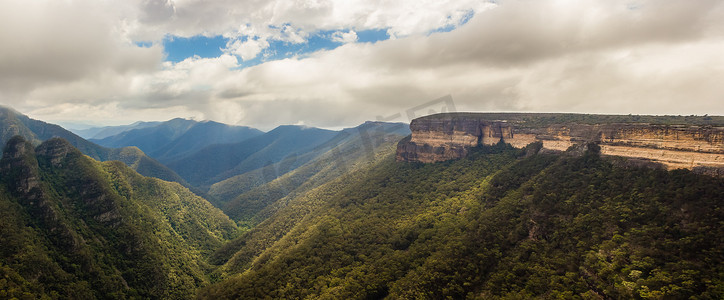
{"x": 254, "y": 196}
{"x": 218, "y": 162}
{"x": 77, "y": 228}
{"x": 499, "y": 223}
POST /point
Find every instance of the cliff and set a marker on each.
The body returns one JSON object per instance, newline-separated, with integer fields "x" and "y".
{"x": 676, "y": 142}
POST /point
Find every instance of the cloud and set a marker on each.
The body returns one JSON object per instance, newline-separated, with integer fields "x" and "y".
{"x": 248, "y": 49}
{"x": 641, "y": 57}
{"x": 191, "y": 17}
{"x": 156, "y": 11}
{"x": 288, "y": 21}
{"x": 344, "y": 37}
{"x": 54, "y": 42}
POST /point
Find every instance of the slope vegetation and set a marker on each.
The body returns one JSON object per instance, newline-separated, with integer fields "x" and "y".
{"x": 500, "y": 223}
{"x": 72, "y": 227}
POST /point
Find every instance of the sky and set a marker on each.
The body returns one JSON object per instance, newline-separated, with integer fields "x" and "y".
{"x": 338, "y": 63}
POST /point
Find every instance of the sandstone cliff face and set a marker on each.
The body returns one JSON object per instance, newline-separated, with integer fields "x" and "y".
{"x": 450, "y": 136}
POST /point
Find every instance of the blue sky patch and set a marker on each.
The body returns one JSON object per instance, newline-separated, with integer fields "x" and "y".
{"x": 179, "y": 48}
{"x": 144, "y": 44}
{"x": 372, "y": 35}
{"x": 280, "y": 50}
{"x": 468, "y": 15}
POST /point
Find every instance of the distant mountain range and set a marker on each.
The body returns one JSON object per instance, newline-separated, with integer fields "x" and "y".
{"x": 106, "y": 131}
{"x": 204, "y": 153}
{"x": 173, "y": 139}
{"x": 232, "y": 159}
{"x": 218, "y": 162}
{"x": 13, "y": 123}
{"x": 252, "y": 196}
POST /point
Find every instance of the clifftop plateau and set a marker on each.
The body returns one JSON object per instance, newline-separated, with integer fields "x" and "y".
{"x": 673, "y": 141}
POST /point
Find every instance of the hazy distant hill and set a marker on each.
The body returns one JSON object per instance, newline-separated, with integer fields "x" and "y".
{"x": 218, "y": 162}
{"x": 14, "y": 123}
{"x": 106, "y": 131}
{"x": 250, "y": 197}
{"x": 72, "y": 227}
{"x": 176, "y": 138}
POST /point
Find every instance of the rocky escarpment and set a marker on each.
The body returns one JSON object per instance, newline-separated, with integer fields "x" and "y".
{"x": 21, "y": 173}
{"x": 23, "y": 165}
{"x": 449, "y": 136}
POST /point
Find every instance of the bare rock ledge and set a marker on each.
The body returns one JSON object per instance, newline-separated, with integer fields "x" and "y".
{"x": 450, "y": 136}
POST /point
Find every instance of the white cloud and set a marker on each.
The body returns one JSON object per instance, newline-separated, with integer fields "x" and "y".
{"x": 401, "y": 17}
{"x": 344, "y": 37}
{"x": 292, "y": 35}
{"x": 248, "y": 49}
{"x": 660, "y": 57}
{"x": 54, "y": 42}
{"x": 289, "y": 21}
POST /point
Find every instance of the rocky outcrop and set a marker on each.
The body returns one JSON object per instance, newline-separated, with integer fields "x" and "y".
{"x": 22, "y": 165}
{"x": 21, "y": 173}
{"x": 92, "y": 193}
{"x": 56, "y": 150}
{"x": 449, "y": 136}
{"x": 19, "y": 164}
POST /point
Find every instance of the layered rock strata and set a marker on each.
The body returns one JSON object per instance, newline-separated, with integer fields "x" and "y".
{"x": 450, "y": 136}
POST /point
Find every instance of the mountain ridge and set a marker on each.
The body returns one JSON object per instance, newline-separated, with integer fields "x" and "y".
{"x": 215, "y": 163}
{"x": 14, "y": 123}
{"x": 106, "y": 131}
{"x": 91, "y": 227}
{"x": 342, "y": 153}
{"x": 175, "y": 138}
